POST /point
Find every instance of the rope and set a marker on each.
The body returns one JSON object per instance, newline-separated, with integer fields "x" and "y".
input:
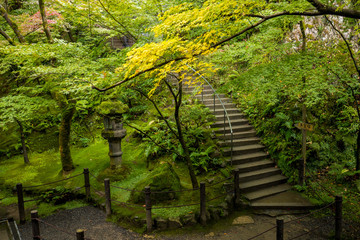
{"x": 92, "y": 175}
{"x": 318, "y": 210}
{"x": 313, "y": 229}
{"x": 224, "y": 195}
{"x": 323, "y": 187}
{"x": 262, "y": 233}
{"x": 128, "y": 204}
{"x": 57, "y": 228}
{"x": 54, "y": 181}
{"x": 224, "y": 180}
{"x": 185, "y": 205}
{"x": 126, "y": 189}
{"x": 54, "y": 195}
{"x": 184, "y": 190}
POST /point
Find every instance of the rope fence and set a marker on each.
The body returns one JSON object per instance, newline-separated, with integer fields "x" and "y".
{"x": 338, "y": 222}
{"x": 147, "y": 206}
{"x": 35, "y": 220}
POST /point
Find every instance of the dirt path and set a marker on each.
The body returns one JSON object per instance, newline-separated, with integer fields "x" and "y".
{"x": 96, "y": 227}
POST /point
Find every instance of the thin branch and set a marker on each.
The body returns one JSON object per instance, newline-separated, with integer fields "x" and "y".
{"x": 325, "y": 9}
{"x": 171, "y": 90}
{"x": 148, "y": 136}
{"x": 263, "y": 19}
{"x": 112, "y": 16}
{"x": 347, "y": 44}
{"x": 157, "y": 109}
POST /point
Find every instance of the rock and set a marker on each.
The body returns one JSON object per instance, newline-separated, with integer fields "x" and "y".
{"x": 148, "y": 236}
{"x": 174, "y": 223}
{"x": 224, "y": 205}
{"x": 189, "y": 220}
{"x": 211, "y": 180}
{"x": 211, "y": 234}
{"x": 243, "y": 220}
{"x": 162, "y": 179}
{"x": 224, "y": 213}
{"x": 161, "y": 224}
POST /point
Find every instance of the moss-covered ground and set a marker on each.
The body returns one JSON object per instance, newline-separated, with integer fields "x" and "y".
{"x": 45, "y": 167}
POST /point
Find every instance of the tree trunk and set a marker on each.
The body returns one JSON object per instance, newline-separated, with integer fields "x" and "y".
{"x": 194, "y": 181}
{"x": 357, "y": 152}
{"x": 22, "y": 135}
{"x": 64, "y": 136}
{"x": 7, "y": 37}
{"x": 44, "y": 21}
{"x": 13, "y": 25}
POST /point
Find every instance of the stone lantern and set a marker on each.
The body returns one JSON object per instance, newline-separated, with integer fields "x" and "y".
{"x": 113, "y": 129}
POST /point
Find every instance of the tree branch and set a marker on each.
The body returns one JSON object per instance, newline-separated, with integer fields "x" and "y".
{"x": 148, "y": 136}
{"x": 7, "y": 37}
{"x": 117, "y": 21}
{"x": 325, "y": 9}
{"x": 347, "y": 44}
{"x": 157, "y": 109}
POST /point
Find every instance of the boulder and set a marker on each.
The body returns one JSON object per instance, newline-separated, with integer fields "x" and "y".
{"x": 162, "y": 179}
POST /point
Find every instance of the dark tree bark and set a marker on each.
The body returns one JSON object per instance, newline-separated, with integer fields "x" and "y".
{"x": 22, "y": 135}
{"x": 64, "y": 135}
{"x": 44, "y": 21}
{"x": 7, "y": 37}
{"x": 178, "y": 102}
{"x": 12, "y": 24}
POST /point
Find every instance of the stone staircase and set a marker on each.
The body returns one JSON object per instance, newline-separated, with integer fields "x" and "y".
{"x": 260, "y": 180}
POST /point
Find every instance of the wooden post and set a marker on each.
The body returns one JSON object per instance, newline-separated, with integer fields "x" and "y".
{"x": 87, "y": 183}
{"x": 338, "y": 217}
{"x": 35, "y": 225}
{"x": 107, "y": 197}
{"x": 21, "y": 207}
{"x": 148, "y": 209}
{"x": 236, "y": 187}
{"x": 80, "y": 235}
{"x": 279, "y": 229}
{"x": 202, "y": 203}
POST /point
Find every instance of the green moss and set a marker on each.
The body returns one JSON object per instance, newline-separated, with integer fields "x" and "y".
{"x": 161, "y": 179}
{"x": 110, "y": 107}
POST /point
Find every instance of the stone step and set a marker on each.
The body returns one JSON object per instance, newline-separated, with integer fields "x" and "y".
{"x": 240, "y": 142}
{"x": 218, "y": 106}
{"x": 238, "y": 135}
{"x": 257, "y": 174}
{"x": 262, "y": 183}
{"x": 220, "y": 111}
{"x": 237, "y": 122}
{"x": 254, "y": 165}
{"x": 245, "y": 158}
{"x": 243, "y": 150}
{"x": 255, "y": 195}
{"x": 211, "y": 96}
{"x": 210, "y": 102}
{"x": 235, "y": 129}
{"x": 232, "y": 116}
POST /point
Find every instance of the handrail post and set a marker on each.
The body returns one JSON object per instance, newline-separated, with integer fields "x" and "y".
{"x": 214, "y": 103}
{"x": 87, "y": 183}
{"x": 35, "y": 225}
{"x": 148, "y": 209}
{"x": 202, "y": 203}
{"x": 107, "y": 197}
{"x": 224, "y": 124}
{"x": 232, "y": 147}
{"x": 236, "y": 187}
{"x": 21, "y": 206}
{"x": 279, "y": 229}
{"x": 80, "y": 235}
{"x": 338, "y": 217}
{"x": 202, "y": 94}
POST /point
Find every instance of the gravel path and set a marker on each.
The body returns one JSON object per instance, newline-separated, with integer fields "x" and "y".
{"x": 94, "y": 222}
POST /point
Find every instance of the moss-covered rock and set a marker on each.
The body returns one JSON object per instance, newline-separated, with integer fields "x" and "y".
{"x": 110, "y": 108}
{"x": 162, "y": 179}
